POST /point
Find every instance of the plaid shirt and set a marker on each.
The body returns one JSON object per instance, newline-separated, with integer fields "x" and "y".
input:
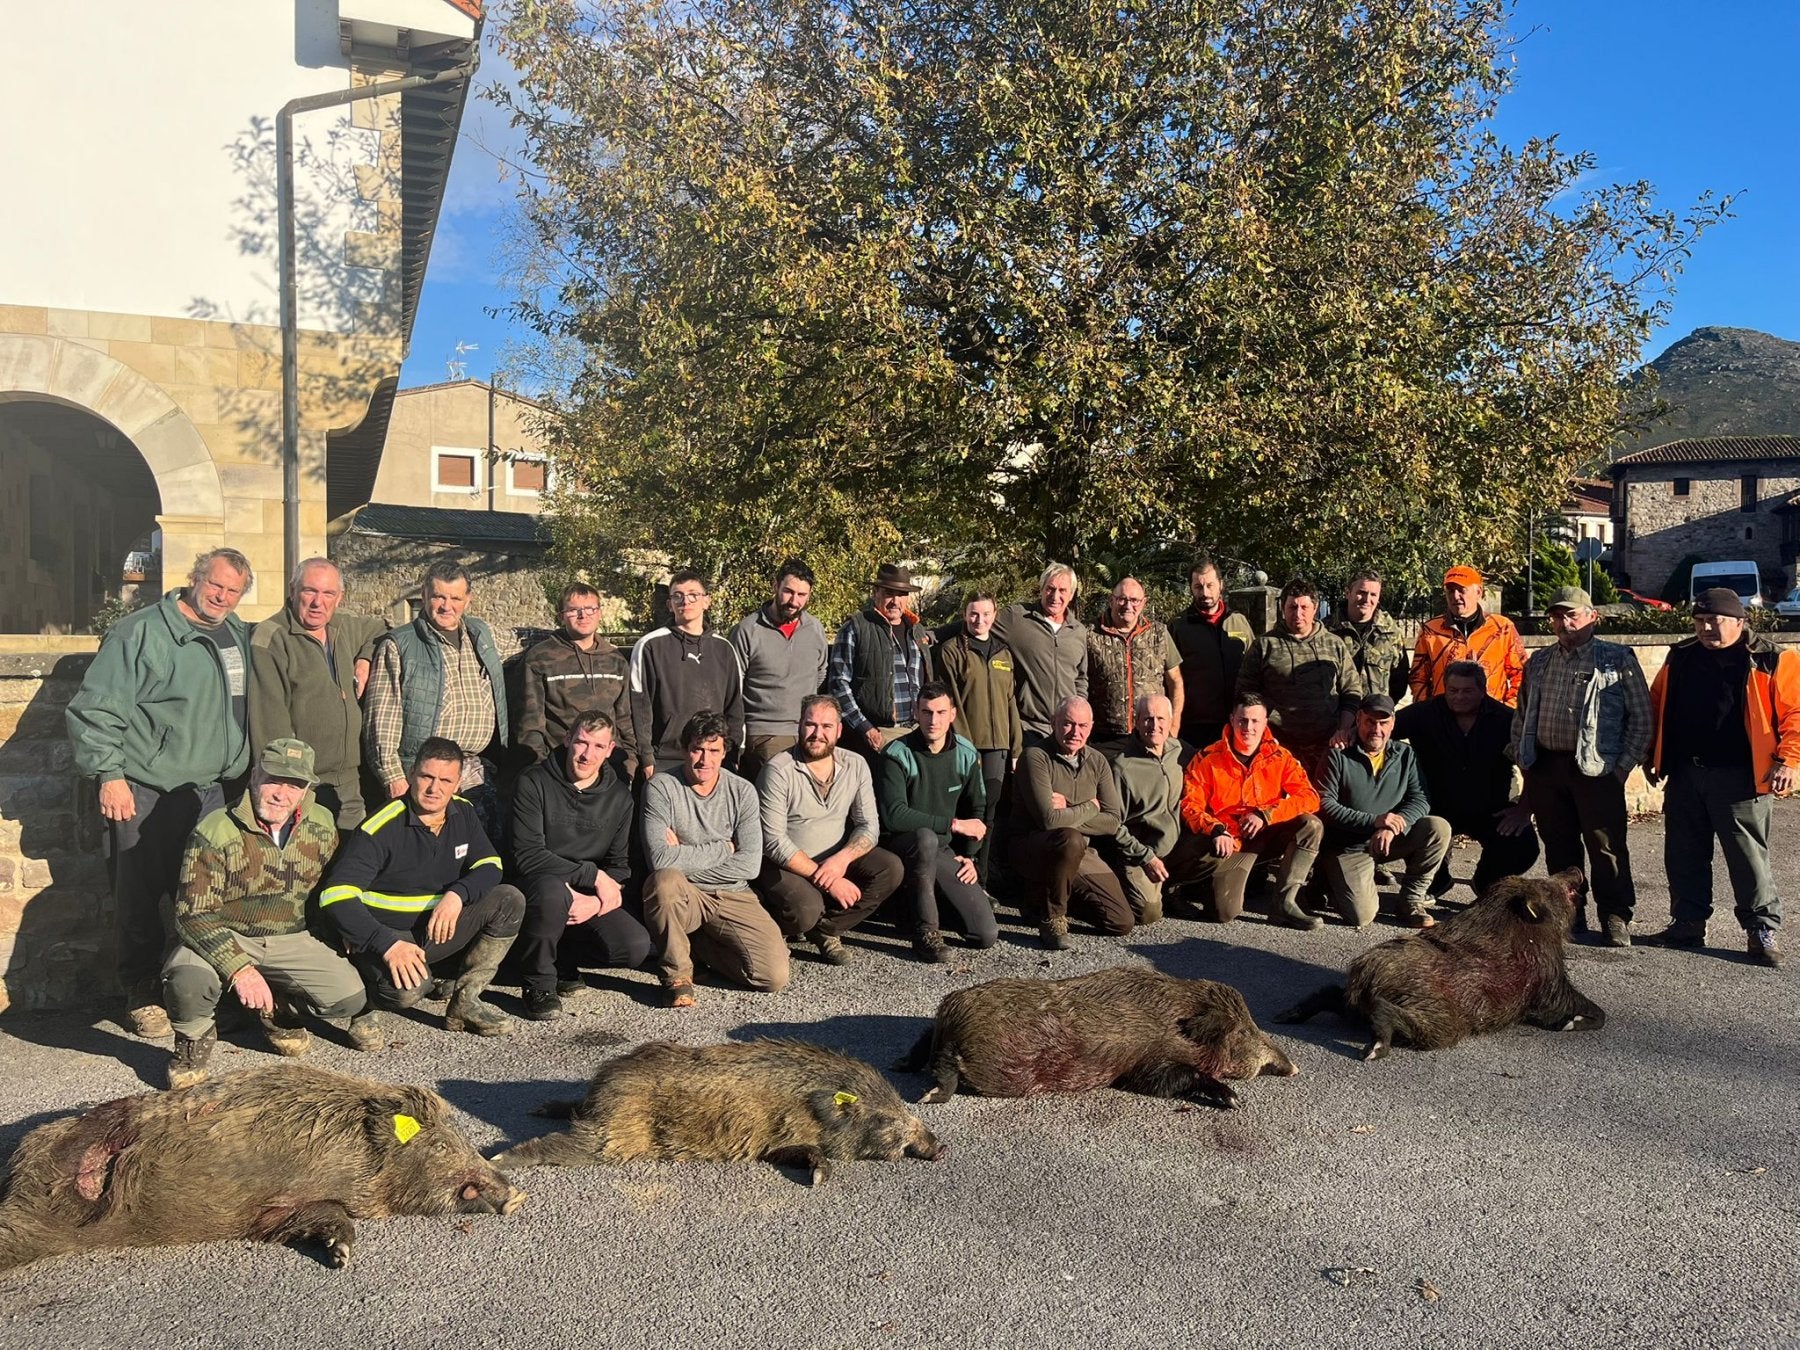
{"x": 465, "y": 712}
{"x": 1562, "y": 680}
{"x": 908, "y": 676}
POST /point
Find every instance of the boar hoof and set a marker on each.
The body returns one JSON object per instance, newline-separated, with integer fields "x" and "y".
{"x": 338, "y": 1254}
{"x": 1377, "y": 1049}
{"x": 513, "y": 1201}
{"x": 936, "y": 1096}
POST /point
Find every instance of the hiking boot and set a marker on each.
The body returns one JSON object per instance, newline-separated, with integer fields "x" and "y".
{"x": 145, "y": 1014}
{"x": 680, "y": 994}
{"x": 542, "y": 1005}
{"x": 930, "y": 947}
{"x": 1384, "y": 876}
{"x": 187, "y": 1065}
{"x": 290, "y": 1042}
{"x": 571, "y": 986}
{"x": 467, "y": 1011}
{"x": 831, "y": 947}
{"x": 1055, "y": 935}
{"x": 367, "y": 1031}
{"x": 1764, "y": 949}
{"x": 1616, "y": 929}
{"x": 1688, "y": 935}
{"x": 1418, "y": 918}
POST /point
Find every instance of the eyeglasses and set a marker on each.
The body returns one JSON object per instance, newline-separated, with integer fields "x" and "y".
{"x": 686, "y": 599}
{"x": 585, "y": 611}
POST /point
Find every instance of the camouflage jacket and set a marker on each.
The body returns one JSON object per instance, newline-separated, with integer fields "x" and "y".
{"x": 234, "y": 880}
{"x": 1382, "y": 654}
{"x": 1122, "y": 668}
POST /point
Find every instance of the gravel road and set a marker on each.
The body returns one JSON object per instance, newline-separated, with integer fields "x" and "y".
{"x": 1636, "y": 1186}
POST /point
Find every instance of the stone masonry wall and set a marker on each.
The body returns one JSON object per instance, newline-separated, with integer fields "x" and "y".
{"x": 1661, "y": 528}
{"x": 55, "y": 912}
{"x": 381, "y": 576}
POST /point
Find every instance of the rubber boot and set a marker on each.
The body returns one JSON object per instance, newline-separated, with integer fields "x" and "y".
{"x": 466, "y": 1011}
{"x": 1287, "y": 899}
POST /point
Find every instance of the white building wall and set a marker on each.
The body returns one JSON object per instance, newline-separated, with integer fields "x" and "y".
{"x": 139, "y": 156}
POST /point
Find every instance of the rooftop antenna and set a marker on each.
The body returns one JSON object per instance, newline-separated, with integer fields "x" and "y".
{"x": 459, "y": 368}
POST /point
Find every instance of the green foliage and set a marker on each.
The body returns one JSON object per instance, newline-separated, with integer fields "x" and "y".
{"x": 111, "y": 610}
{"x": 1008, "y": 280}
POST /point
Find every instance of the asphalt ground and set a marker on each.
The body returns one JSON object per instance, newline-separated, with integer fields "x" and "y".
{"x": 1634, "y": 1186}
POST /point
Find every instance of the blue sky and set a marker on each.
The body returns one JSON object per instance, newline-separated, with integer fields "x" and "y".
{"x": 1690, "y": 96}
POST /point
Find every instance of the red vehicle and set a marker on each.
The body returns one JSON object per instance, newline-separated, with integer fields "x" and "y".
{"x": 1643, "y": 601}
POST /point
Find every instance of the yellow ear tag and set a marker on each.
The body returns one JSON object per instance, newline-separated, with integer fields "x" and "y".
{"x": 846, "y": 1099}
{"x": 405, "y": 1127}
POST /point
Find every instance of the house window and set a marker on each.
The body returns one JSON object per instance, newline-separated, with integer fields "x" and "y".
{"x": 455, "y": 470}
{"x": 1747, "y": 489}
{"x": 527, "y": 477}
{"x": 1679, "y": 487}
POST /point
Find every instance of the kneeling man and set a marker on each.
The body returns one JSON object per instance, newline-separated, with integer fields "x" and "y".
{"x": 1243, "y": 800}
{"x": 703, "y": 842}
{"x": 240, "y": 913}
{"x": 821, "y": 872}
{"x": 933, "y": 802}
{"x": 571, "y": 848}
{"x": 1376, "y": 811}
{"x": 418, "y": 883}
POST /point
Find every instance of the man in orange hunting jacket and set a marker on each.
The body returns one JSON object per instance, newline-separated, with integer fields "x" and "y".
{"x": 1243, "y": 799}
{"x": 1463, "y": 633}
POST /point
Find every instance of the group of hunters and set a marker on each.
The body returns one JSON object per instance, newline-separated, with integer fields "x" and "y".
{"x": 332, "y": 817}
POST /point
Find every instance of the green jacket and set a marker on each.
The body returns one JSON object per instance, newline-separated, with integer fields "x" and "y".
{"x": 987, "y": 709}
{"x": 154, "y": 707}
{"x": 1309, "y": 683}
{"x": 917, "y": 790}
{"x": 234, "y": 880}
{"x": 1353, "y": 797}
{"x": 1150, "y": 801}
{"x": 296, "y": 692}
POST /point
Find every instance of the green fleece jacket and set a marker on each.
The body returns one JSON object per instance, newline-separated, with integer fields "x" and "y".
{"x": 154, "y": 707}
{"x": 295, "y": 691}
{"x": 1149, "y": 800}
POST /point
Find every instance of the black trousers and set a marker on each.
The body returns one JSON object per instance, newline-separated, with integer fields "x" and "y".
{"x": 799, "y": 906}
{"x": 144, "y": 859}
{"x": 1502, "y": 855}
{"x": 497, "y": 914}
{"x": 1575, "y": 813}
{"x": 549, "y": 947}
{"x": 930, "y": 873}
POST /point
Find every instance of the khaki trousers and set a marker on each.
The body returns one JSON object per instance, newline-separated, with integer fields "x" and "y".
{"x": 301, "y": 971}
{"x": 728, "y": 930}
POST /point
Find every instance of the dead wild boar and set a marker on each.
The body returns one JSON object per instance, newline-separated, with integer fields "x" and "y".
{"x": 783, "y": 1102}
{"x": 283, "y": 1154}
{"x": 1127, "y": 1027}
{"x": 1499, "y": 962}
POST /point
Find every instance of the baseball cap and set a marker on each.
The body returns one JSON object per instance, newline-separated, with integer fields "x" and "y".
{"x": 1377, "y": 705}
{"x": 290, "y": 759}
{"x": 1570, "y": 597}
{"x": 1462, "y": 575}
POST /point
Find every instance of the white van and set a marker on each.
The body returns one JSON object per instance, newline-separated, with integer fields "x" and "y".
{"x": 1741, "y": 577}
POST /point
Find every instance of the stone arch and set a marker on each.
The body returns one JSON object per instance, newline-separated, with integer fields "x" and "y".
{"x": 193, "y": 499}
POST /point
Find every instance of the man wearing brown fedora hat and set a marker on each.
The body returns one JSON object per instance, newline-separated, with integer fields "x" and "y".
{"x": 878, "y": 663}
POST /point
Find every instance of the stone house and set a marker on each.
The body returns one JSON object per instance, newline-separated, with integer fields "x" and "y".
{"x": 1716, "y": 498}
{"x": 466, "y": 446}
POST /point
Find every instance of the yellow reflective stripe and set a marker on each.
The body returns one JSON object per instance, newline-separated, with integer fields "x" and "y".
{"x": 383, "y": 816}
{"x": 485, "y": 862}
{"x": 410, "y": 904}
{"x": 332, "y": 894}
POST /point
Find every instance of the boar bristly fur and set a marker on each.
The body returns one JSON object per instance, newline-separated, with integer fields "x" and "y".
{"x": 284, "y": 1154}
{"x": 1127, "y": 1027}
{"x": 783, "y": 1102}
{"x": 1500, "y": 962}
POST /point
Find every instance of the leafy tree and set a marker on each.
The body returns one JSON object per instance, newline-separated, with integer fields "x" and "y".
{"x": 1006, "y": 279}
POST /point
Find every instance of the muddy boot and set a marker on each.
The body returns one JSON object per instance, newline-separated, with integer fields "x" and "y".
{"x": 282, "y": 1028}
{"x": 145, "y": 1014}
{"x": 466, "y": 1011}
{"x": 368, "y": 1032}
{"x": 929, "y": 946}
{"x": 187, "y": 1065}
{"x": 1054, "y": 934}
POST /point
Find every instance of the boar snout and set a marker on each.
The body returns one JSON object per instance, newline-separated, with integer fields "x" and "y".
{"x": 1275, "y": 1063}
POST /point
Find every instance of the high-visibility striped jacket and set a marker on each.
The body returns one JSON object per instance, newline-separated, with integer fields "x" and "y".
{"x": 1771, "y": 706}
{"x": 392, "y": 869}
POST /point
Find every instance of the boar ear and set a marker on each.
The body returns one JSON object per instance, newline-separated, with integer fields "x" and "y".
{"x": 830, "y": 1105}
